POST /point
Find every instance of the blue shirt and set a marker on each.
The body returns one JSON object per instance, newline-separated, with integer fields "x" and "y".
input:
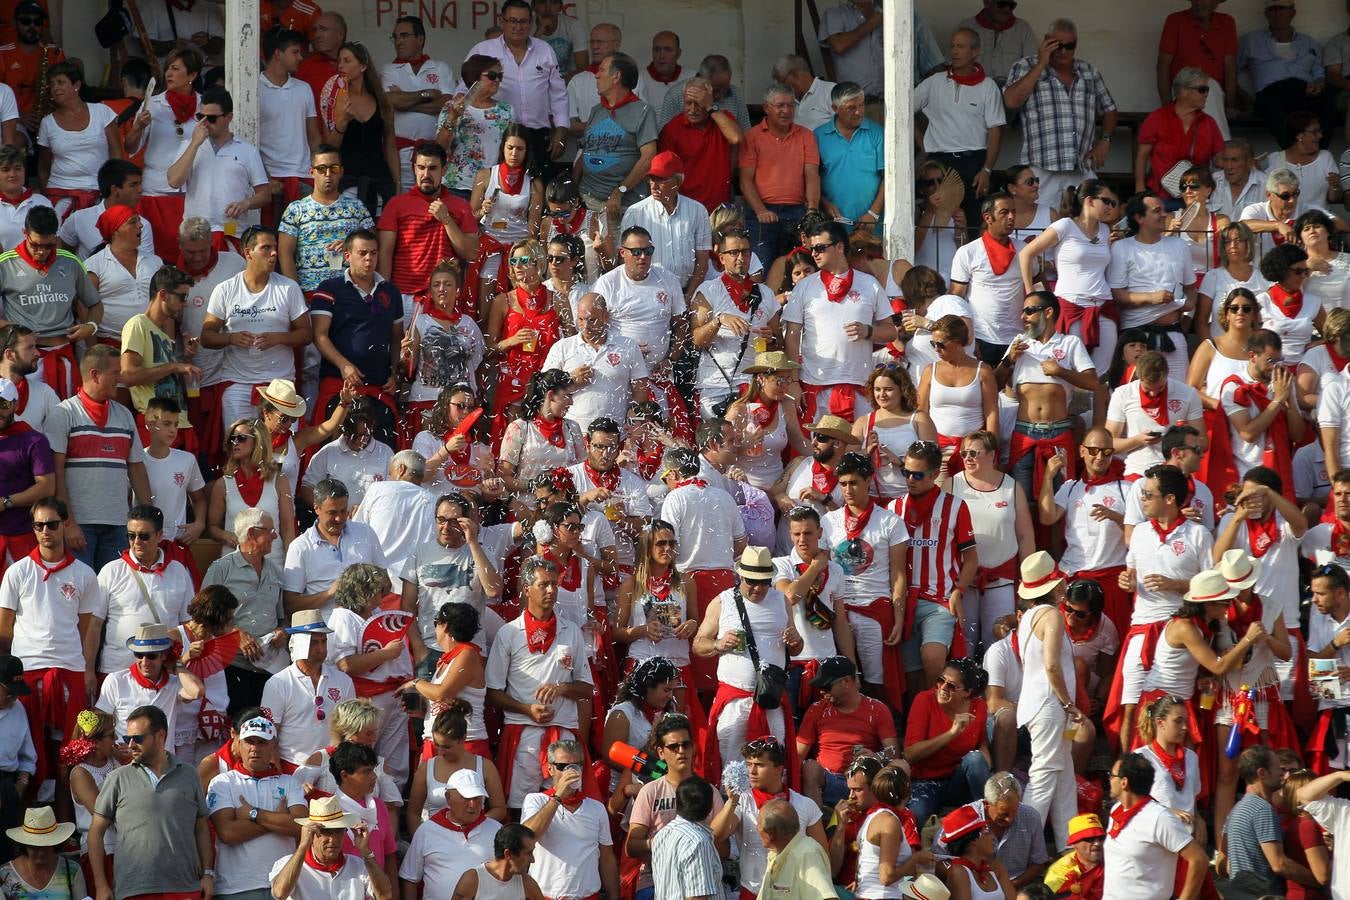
{"x": 315, "y": 226}
{"x": 851, "y": 168}
{"x": 361, "y": 325}
{"x": 1256, "y": 54}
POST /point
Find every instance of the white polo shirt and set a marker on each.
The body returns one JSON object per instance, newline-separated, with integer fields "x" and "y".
{"x": 1161, "y": 266}
{"x": 721, "y": 364}
{"x": 1183, "y": 407}
{"x": 283, "y": 114}
{"x": 170, "y": 590}
{"x": 164, "y": 141}
{"x": 221, "y": 176}
{"x": 1144, "y": 855}
{"x": 415, "y": 127}
{"x": 567, "y": 856}
{"x": 814, "y": 107}
{"x": 959, "y": 115}
{"x": 704, "y": 518}
{"x": 1246, "y": 454}
{"x": 511, "y": 667}
{"x": 357, "y": 469}
{"x": 271, "y": 310}
{"x": 677, "y": 235}
{"x": 1186, "y": 552}
{"x": 1090, "y": 544}
{"x": 47, "y": 610}
{"x": 403, "y": 516}
{"x": 1277, "y": 582}
{"x": 1201, "y": 500}
{"x": 1333, "y": 411}
{"x": 12, "y": 216}
{"x": 312, "y": 563}
{"x": 1004, "y": 669}
{"x": 348, "y": 883}
{"x": 292, "y": 700}
{"x": 171, "y": 480}
{"x": 642, "y": 310}
{"x": 828, "y": 356}
{"x": 121, "y": 694}
{"x": 995, "y": 300}
{"x": 631, "y": 494}
{"x": 867, "y": 566}
{"x": 437, "y": 856}
{"x": 245, "y": 866}
{"x": 346, "y": 641}
{"x": 615, "y": 366}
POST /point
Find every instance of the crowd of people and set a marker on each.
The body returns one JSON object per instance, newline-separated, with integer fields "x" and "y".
{"x": 531, "y": 479}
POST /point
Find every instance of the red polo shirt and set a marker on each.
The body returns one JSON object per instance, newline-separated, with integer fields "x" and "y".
{"x": 421, "y": 241}
{"x": 707, "y": 159}
{"x": 1192, "y": 45}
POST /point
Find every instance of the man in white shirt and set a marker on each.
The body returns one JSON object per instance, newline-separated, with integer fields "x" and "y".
{"x": 257, "y": 318}
{"x": 1333, "y": 814}
{"x": 288, "y": 123}
{"x": 1142, "y": 410}
{"x": 455, "y": 840}
{"x": 813, "y": 94}
{"x": 574, "y": 856}
{"x": 119, "y": 184}
{"x": 319, "y": 870}
{"x": 537, "y": 670}
{"x": 1330, "y": 541}
{"x": 18, "y": 198}
{"x": 619, "y": 492}
{"x": 608, "y": 370}
{"x": 150, "y": 680}
{"x": 1004, "y": 37}
{"x": 19, "y": 363}
{"x": 582, "y": 94}
{"x": 664, "y": 73}
{"x": 1263, "y": 415}
{"x": 985, "y": 273}
{"x": 833, "y": 319}
{"x": 226, "y": 183}
{"x": 1145, "y": 839}
{"x": 1152, "y": 279}
{"x": 1240, "y": 183}
{"x": 301, "y": 697}
{"x": 1329, "y": 639}
{"x": 1182, "y": 448}
{"x": 417, "y": 87}
{"x": 678, "y": 225}
{"x": 356, "y": 459}
{"x": 1278, "y": 212}
{"x": 400, "y": 511}
{"x": 316, "y": 558}
{"x": 142, "y": 585}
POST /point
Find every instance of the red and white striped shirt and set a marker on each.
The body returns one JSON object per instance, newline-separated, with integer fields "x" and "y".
{"x": 939, "y": 532}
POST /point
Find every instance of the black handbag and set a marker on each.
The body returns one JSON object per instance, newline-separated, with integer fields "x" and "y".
{"x": 114, "y": 26}
{"x": 770, "y": 680}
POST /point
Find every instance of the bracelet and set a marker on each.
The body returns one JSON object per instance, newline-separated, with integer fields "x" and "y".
{"x": 869, "y": 332}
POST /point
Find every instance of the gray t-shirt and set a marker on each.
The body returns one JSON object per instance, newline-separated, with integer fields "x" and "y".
{"x": 96, "y": 461}
{"x": 609, "y": 149}
{"x": 156, "y": 828}
{"x": 44, "y": 301}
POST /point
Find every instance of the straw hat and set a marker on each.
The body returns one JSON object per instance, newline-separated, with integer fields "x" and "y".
{"x": 772, "y": 361}
{"x": 926, "y": 887}
{"x": 40, "y": 829}
{"x": 308, "y": 621}
{"x": 281, "y": 394}
{"x": 1239, "y": 569}
{"x": 835, "y": 427}
{"x": 756, "y": 564}
{"x": 1040, "y": 575}
{"x": 150, "y": 639}
{"x": 326, "y": 812}
{"x": 1210, "y": 586}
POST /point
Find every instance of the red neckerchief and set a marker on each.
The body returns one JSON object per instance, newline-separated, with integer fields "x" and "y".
{"x": 96, "y": 410}
{"x": 765, "y": 414}
{"x": 1287, "y": 303}
{"x": 1078, "y": 637}
{"x": 659, "y": 585}
{"x": 313, "y": 863}
{"x": 572, "y": 225}
{"x": 49, "y": 571}
{"x": 915, "y": 509}
{"x": 423, "y": 302}
{"x": 1239, "y": 621}
{"x": 607, "y": 480}
{"x": 1278, "y": 238}
{"x": 1174, "y": 763}
{"x": 1000, "y": 256}
{"x": 1156, "y": 407}
{"x": 280, "y": 438}
{"x": 156, "y": 569}
{"x": 977, "y": 868}
{"x": 970, "y": 80}
{"x": 593, "y": 68}
{"x": 663, "y": 79}
{"x": 985, "y": 20}
{"x": 510, "y": 180}
{"x": 739, "y": 289}
{"x": 27, "y": 192}
{"x": 22, "y": 386}
{"x": 15, "y": 427}
{"x": 273, "y": 769}
{"x": 1120, "y": 816}
{"x": 763, "y": 797}
{"x": 1275, "y": 453}
{"x": 820, "y": 581}
{"x": 250, "y": 486}
{"x": 1165, "y": 533}
{"x": 696, "y": 482}
{"x": 1336, "y": 359}
{"x": 836, "y": 286}
{"x": 535, "y": 301}
{"x": 1016, "y": 647}
{"x": 415, "y": 61}
{"x": 1262, "y": 535}
{"x": 1114, "y": 472}
{"x": 1078, "y": 883}
{"x": 854, "y": 525}
{"x": 442, "y": 819}
{"x": 1340, "y": 538}
{"x": 572, "y": 803}
{"x": 27, "y": 257}
{"x": 184, "y": 106}
{"x": 823, "y": 478}
{"x": 138, "y": 677}
{"x": 569, "y": 573}
{"x": 615, "y": 107}
{"x": 551, "y": 430}
{"x": 199, "y": 274}
{"x": 449, "y": 656}
{"x": 539, "y": 635}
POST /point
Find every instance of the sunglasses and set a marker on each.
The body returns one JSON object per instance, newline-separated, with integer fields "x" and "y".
{"x": 1070, "y": 46}
{"x": 819, "y": 248}
{"x": 573, "y": 527}
{"x": 913, "y": 475}
{"x": 1241, "y": 308}
{"x": 1108, "y": 202}
{"x": 1032, "y": 310}
{"x": 493, "y": 76}
{"x": 240, "y": 438}
{"x": 139, "y": 536}
{"x": 670, "y": 544}
{"x": 639, "y": 251}
{"x": 46, "y": 524}
{"x": 136, "y": 739}
{"x": 558, "y": 260}
{"x": 1288, "y": 195}
{"x": 1191, "y": 185}
{"x": 209, "y": 117}
{"x": 151, "y": 655}
{"x": 319, "y": 714}
{"x": 1077, "y": 613}
{"x": 1033, "y": 181}
{"x": 1200, "y": 88}
{"x": 677, "y": 746}
{"x": 521, "y": 260}
{"x": 1095, "y": 452}
{"x": 971, "y": 454}
{"x": 949, "y": 684}
{"x": 331, "y": 167}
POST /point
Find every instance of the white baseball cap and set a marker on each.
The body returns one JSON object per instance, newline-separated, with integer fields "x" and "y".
{"x": 467, "y": 783}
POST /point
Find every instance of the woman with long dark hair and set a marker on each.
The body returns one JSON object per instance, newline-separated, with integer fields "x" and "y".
{"x": 450, "y": 752}
{"x": 508, "y": 204}
{"x": 643, "y": 698}
{"x": 362, "y": 128}
{"x": 540, "y": 439}
{"x": 456, "y": 457}
{"x": 457, "y": 678}
{"x": 203, "y": 724}
{"x": 946, "y": 741}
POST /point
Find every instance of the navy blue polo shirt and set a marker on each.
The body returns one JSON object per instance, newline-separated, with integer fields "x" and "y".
{"x": 361, "y": 325}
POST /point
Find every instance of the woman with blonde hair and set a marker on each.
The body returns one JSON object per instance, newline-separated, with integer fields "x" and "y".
{"x": 522, "y": 325}
{"x": 897, "y": 420}
{"x": 90, "y": 755}
{"x": 657, "y": 611}
{"x": 1236, "y": 268}
{"x": 958, "y": 391}
{"x": 355, "y": 719}
{"x": 281, "y": 411}
{"x": 250, "y": 479}
{"x": 1323, "y": 361}
{"x": 768, "y": 420}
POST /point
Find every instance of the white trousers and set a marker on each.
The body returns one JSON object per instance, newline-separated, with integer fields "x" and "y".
{"x": 1051, "y": 790}
{"x": 731, "y": 727}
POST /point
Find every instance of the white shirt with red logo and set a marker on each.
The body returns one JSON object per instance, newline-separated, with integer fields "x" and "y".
{"x": 1201, "y": 500}
{"x": 1182, "y": 407}
{"x": 294, "y": 702}
{"x": 47, "y": 612}
{"x": 511, "y": 667}
{"x": 1186, "y": 551}
{"x": 828, "y": 355}
{"x": 1065, "y": 349}
{"x": 614, "y": 367}
{"x": 1088, "y": 543}
{"x": 169, "y": 591}
{"x": 642, "y": 310}
{"x": 1275, "y": 545}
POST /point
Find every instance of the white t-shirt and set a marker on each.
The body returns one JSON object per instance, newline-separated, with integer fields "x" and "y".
{"x": 1183, "y": 406}
{"x": 272, "y": 309}
{"x": 228, "y": 265}
{"x": 345, "y": 641}
{"x": 1246, "y": 454}
{"x": 867, "y": 561}
{"x": 77, "y": 155}
{"x": 567, "y": 856}
{"x": 1333, "y": 411}
{"x": 164, "y": 141}
{"x": 996, "y": 300}
{"x": 959, "y": 116}
{"x": 1082, "y": 263}
{"x": 120, "y": 694}
{"x": 511, "y": 667}
{"x": 13, "y": 215}
{"x": 221, "y": 176}
{"x": 828, "y": 356}
{"x": 1185, "y": 554}
{"x": 1165, "y": 790}
{"x": 244, "y": 866}
{"x": 437, "y": 856}
{"x": 169, "y": 591}
{"x": 1202, "y": 500}
{"x": 46, "y": 612}
{"x": 1003, "y": 667}
{"x": 1295, "y": 332}
{"x": 171, "y": 480}
{"x": 1065, "y": 349}
{"x": 721, "y": 363}
{"x": 754, "y": 855}
{"x": 434, "y": 75}
{"x": 123, "y": 294}
{"x": 357, "y": 469}
{"x": 403, "y": 516}
{"x": 817, "y": 643}
{"x": 1334, "y": 815}
{"x": 615, "y": 366}
{"x": 1277, "y": 582}
{"x": 1144, "y": 855}
{"x": 1090, "y": 544}
{"x": 1161, "y": 266}
{"x": 919, "y": 352}
{"x": 41, "y": 401}
{"x": 631, "y": 494}
{"x": 283, "y": 114}
{"x": 80, "y": 231}
{"x": 642, "y": 310}
{"x": 1218, "y": 283}
{"x": 703, "y": 518}
{"x": 348, "y": 883}
{"x": 292, "y": 700}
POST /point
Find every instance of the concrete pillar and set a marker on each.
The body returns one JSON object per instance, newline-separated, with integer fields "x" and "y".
{"x": 241, "y": 66}
{"x": 898, "y": 37}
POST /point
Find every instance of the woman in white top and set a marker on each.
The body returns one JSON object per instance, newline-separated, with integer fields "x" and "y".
{"x": 204, "y": 723}
{"x": 1323, "y": 361}
{"x": 656, "y": 604}
{"x": 958, "y": 391}
{"x": 444, "y": 345}
{"x": 1030, "y": 216}
{"x": 426, "y": 794}
{"x": 866, "y": 254}
{"x": 1176, "y": 768}
{"x": 566, "y": 281}
{"x": 541, "y": 439}
{"x": 119, "y": 271}
{"x": 895, "y": 422}
{"x": 1237, "y": 250}
{"x": 1328, "y": 269}
{"x": 508, "y": 204}
{"x": 456, "y": 457}
{"x": 1224, "y": 354}
{"x": 647, "y": 694}
{"x": 74, "y": 140}
{"x": 163, "y": 129}
{"x": 884, "y": 852}
{"x": 281, "y": 410}
{"x": 250, "y": 478}
{"x": 768, "y": 420}
{"x": 1318, "y": 175}
{"x": 1196, "y": 224}
{"x": 941, "y": 226}
{"x": 976, "y": 873}
{"x": 1286, "y": 308}
{"x": 90, "y": 755}
{"x": 1084, "y": 252}
{"x": 566, "y": 216}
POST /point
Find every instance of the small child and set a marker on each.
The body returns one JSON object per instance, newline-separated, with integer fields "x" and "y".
{"x": 175, "y": 478}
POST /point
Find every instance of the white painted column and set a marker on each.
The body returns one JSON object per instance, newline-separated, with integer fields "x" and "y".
{"x": 241, "y": 66}
{"x": 898, "y": 38}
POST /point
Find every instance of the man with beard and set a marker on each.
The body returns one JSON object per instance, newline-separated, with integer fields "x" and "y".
{"x": 811, "y": 482}
{"x": 424, "y": 225}
{"x": 150, "y": 357}
{"x": 19, "y": 360}
{"x": 608, "y": 370}
{"x": 26, "y": 61}
{"x": 838, "y": 726}
{"x": 313, "y": 229}
{"x": 984, "y": 274}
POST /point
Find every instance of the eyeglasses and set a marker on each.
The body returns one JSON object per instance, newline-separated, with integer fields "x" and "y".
{"x": 46, "y": 524}
{"x": 639, "y": 251}
{"x": 140, "y": 536}
{"x": 677, "y": 746}
{"x": 522, "y": 260}
{"x": 136, "y": 739}
{"x": 325, "y": 169}
{"x": 493, "y": 76}
{"x": 573, "y": 527}
{"x": 209, "y": 117}
{"x": 971, "y": 454}
{"x": 819, "y": 248}
{"x": 913, "y": 475}
{"x": 515, "y": 21}
{"x": 240, "y": 438}
{"x": 1114, "y": 775}
{"x": 1032, "y": 310}
{"x": 1095, "y": 452}
{"x": 1287, "y": 195}
{"x": 405, "y": 35}
{"x": 558, "y": 260}
{"x": 740, "y": 251}
{"x": 447, "y": 520}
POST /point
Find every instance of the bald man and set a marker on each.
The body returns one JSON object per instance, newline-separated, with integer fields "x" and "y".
{"x": 664, "y": 73}
{"x": 327, "y": 36}
{"x": 608, "y": 370}
{"x": 582, "y": 94}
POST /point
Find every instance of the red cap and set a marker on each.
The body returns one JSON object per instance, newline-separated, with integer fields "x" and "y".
{"x": 960, "y": 822}
{"x": 665, "y": 164}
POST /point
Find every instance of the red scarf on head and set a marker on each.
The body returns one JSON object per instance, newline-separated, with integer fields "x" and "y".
{"x": 823, "y": 479}
{"x": 970, "y": 80}
{"x": 659, "y": 585}
{"x": 739, "y": 289}
{"x": 551, "y": 430}
{"x": 1262, "y": 535}
{"x": 1240, "y": 621}
{"x": 414, "y": 61}
{"x": 663, "y": 79}
{"x": 510, "y": 180}
{"x": 184, "y": 106}
{"x": 139, "y": 677}
{"x": 27, "y": 192}
{"x": 569, "y": 574}
{"x": 22, "y": 251}
{"x": 763, "y": 797}
{"x": 984, "y": 19}
{"x": 1156, "y": 407}
{"x": 572, "y": 802}
{"x": 1174, "y": 763}
{"x": 615, "y": 107}
{"x": 1165, "y": 533}
{"x": 250, "y": 486}
{"x": 1340, "y": 539}
{"x": 539, "y": 635}
{"x": 49, "y": 571}
{"x": 135, "y": 565}
{"x": 199, "y": 274}
{"x": 1287, "y": 303}
{"x": 607, "y": 480}
{"x": 98, "y": 411}
{"x": 1114, "y": 472}
{"x": 765, "y": 414}
{"x": 443, "y": 819}
{"x": 1000, "y": 256}
{"x": 1120, "y": 816}
{"x": 1078, "y": 637}
{"x": 836, "y": 286}
{"x": 854, "y": 525}
{"x": 331, "y": 869}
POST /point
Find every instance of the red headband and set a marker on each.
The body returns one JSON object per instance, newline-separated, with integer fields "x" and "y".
{"x": 113, "y": 218}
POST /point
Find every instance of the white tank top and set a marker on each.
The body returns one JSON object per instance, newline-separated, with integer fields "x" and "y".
{"x": 1220, "y": 367}
{"x": 639, "y": 729}
{"x": 674, "y": 608}
{"x": 1036, "y": 691}
{"x": 892, "y": 289}
{"x": 1204, "y": 255}
{"x": 574, "y": 605}
{"x": 1039, "y": 222}
{"x": 761, "y": 453}
{"x": 993, "y": 516}
{"x": 869, "y": 864}
{"x": 976, "y": 892}
{"x": 489, "y": 888}
{"x": 956, "y": 411}
{"x": 895, "y": 438}
{"x": 1174, "y": 669}
{"x": 509, "y": 219}
{"x": 474, "y": 696}
{"x": 267, "y": 502}
{"x": 288, "y": 461}
{"x": 767, "y": 618}
{"x": 84, "y": 816}
{"x": 436, "y": 788}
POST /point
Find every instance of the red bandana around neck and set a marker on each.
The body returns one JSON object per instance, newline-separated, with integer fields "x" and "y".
{"x": 199, "y": 274}
{"x": 1115, "y": 471}
{"x": 250, "y": 486}
{"x": 331, "y": 869}
{"x": 1174, "y": 762}
{"x": 696, "y": 482}
{"x": 443, "y": 819}
{"x": 49, "y": 571}
{"x": 1120, "y": 816}
{"x": 184, "y": 105}
{"x": 22, "y": 251}
{"x": 135, "y": 565}
{"x": 552, "y": 430}
{"x": 659, "y": 585}
{"x": 985, "y": 19}
{"x": 854, "y": 524}
{"x": 17, "y": 201}
{"x": 1001, "y": 256}
{"x": 979, "y": 868}
{"x": 1078, "y": 636}
{"x": 139, "y": 677}
{"x": 573, "y": 802}
{"x": 615, "y": 107}
{"x": 1287, "y": 303}
{"x": 281, "y": 438}
{"x": 914, "y": 509}
{"x": 1263, "y": 534}
{"x": 96, "y": 410}
{"x": 1156, "y": 407}
{"x": 663, "y": 79}
{"x": 1336, "y": 359}
{"x": 739, "y": 289}
{"x": 1165, "y": 533}
{"x": 569, "y": 573}
{"x": 539, "y": 635}
{"x": 414, "y": 61}
{"x": 449, "y": 656}
{"x": 823, "y": 478}
{"x": 1240, "y": 621}
{"x": 970, "y": 80}
{"x": 607, "y": 480}
{"x": 763, "y": 797}
{"x": 535, "y": 301}
{"x": 510, "y": 180}
{"x": 836, "y": 286}
{"x": 1340, "y": 538}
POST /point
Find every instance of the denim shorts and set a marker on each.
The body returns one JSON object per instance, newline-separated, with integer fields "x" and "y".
{"x": 933, "y": 624}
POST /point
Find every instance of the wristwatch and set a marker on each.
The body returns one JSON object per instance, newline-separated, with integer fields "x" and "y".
{"x": 253, "y": 814}
{"x": 208, "y": 873}
{"x": 6, "y": 502}
{"x": 623, "y": 189}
